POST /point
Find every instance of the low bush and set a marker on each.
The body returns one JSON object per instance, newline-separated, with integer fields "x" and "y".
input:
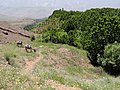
{"x": 111, "y": 58}
{"x": 32, "y": 38}
{"x": 55, "y": 36}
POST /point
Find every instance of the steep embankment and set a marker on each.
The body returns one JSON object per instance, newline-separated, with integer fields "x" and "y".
{"x": 10, "y": 33}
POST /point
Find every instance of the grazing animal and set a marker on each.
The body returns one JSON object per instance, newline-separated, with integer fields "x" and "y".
{"x": 19, "y": 43}
{"x": 28, "y": 48}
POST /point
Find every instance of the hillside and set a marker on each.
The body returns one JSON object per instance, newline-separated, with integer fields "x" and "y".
{"x": 92, "y": 30}
{"x": 11, "y": 33}
{"x": 52, "y": 67}
{"x": 68, "y": 46}
{"x": 21, "y": 23}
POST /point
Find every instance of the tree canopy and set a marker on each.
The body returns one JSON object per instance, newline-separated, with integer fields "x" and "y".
{"x": 91, "y": 30}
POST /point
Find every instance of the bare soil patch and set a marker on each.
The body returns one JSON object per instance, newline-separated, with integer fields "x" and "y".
{"x": 30, "y": 65}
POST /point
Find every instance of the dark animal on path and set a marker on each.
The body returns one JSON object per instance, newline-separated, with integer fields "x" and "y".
{"x": 19, "y": 43}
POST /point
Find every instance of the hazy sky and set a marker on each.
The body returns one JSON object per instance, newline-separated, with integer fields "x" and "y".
{"x": 67, "y": 4}
{"x": 44, "y": 8}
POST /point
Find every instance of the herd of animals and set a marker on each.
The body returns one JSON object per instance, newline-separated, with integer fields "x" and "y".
{"x": 28, "y": 47}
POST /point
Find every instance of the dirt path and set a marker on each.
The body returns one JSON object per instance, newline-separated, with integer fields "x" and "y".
{"x": 30, "y": 65}
{"x": 58, "y": 86}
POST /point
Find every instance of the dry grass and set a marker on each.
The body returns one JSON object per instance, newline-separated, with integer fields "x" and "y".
{"x": 64, "y": 65}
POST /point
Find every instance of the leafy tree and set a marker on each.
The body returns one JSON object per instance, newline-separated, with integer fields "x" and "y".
{"x": 91, "y": 30}
{"x": 111, "y": 58}
{"x": 105, "y": 30}
{"x": 55, "y": 36}
{"x": 74, "y": 38}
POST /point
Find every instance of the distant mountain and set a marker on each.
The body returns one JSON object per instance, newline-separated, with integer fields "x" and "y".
{"x": 26, "y": 12}
{"x": 7, "y": 18}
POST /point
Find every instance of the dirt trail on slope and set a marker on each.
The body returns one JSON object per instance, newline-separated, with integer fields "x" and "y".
{"x": 30, "y": 65}
{"x": 58, "y": 86}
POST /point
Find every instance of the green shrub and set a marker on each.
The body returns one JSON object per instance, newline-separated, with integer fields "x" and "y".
{"x": 9, "y": 57}
{"x": 111, "y": 58}
{"x": 105, "y": 30}
{"x": 32, "y": 38}
{"x": 55, "y": 36}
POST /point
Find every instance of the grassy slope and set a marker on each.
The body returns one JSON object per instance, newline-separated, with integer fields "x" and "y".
{"x": 61, "y": 63}
{"x": 44, "y": 25}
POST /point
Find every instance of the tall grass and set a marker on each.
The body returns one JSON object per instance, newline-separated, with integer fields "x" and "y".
{"x": 12, "y": 79}
{"x": 14, "y": 55}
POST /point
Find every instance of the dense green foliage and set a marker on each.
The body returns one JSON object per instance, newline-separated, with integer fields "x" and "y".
{"x": 111, "y": 58}
{"x": 91, "y": 30}
{"x": 29, "y": 27}
{"x": 55, "y": 36}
